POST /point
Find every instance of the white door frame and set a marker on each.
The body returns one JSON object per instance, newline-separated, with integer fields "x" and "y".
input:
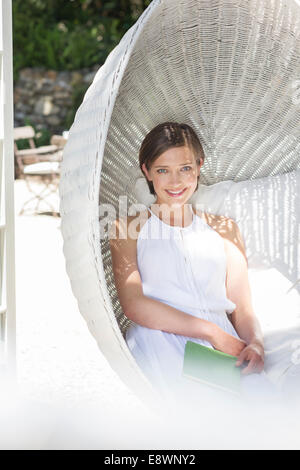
{"x": 7, "y": 222}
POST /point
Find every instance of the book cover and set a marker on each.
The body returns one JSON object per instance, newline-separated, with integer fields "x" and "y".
{"x": 211, "y": 367}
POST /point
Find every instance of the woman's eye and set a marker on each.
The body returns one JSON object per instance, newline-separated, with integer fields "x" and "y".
{"x": 163, "y": 170}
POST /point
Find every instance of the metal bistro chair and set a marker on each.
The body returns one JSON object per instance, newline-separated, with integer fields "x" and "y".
{"x": 40, "y": 168}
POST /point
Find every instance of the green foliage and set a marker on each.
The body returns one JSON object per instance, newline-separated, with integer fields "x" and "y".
{"x": 43, "y": 136}
{"x": 69, "y": 34}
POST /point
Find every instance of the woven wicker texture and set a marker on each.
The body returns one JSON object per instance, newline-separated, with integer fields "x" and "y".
{"x": 228, "y": 68}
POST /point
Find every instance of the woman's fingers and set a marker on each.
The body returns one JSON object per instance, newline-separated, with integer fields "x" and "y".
{"x": 250, "y": 367}
{"x": 241, "y": 358}
{"x": 254, "y": 365}
{"x": 260, "y": 366}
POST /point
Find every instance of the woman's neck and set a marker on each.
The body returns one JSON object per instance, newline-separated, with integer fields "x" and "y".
{"x": 176, "y": 216}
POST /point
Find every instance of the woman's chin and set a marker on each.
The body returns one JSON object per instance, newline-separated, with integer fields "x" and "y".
{"x": 171, "y": 203}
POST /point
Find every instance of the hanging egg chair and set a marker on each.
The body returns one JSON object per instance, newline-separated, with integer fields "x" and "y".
{"x": 230, "y": 69}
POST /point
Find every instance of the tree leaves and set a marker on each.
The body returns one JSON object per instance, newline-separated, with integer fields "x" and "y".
{"x": 71, "y": 34}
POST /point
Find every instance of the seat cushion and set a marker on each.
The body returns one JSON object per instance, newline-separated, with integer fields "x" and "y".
{"x": 38, "y": 150}
{"x": 275, "y": 301}
{"x": 41, "y": 168}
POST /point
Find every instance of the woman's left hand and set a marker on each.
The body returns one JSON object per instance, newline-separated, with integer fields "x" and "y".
{"x": 254, "y": 353}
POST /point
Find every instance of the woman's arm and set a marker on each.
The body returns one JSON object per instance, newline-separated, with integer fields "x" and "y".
{"x": 136, "y": 306}
{"x": 157, "y": 315}
{"x": 238, "y": 291}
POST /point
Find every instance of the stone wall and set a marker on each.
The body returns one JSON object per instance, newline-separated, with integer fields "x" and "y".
{"x": 45, "y": 97}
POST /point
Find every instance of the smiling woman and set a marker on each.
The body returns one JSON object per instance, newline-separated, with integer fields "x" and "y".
{"x": 180, "y": 282}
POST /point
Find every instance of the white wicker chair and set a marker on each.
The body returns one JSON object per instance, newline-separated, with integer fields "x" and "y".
{"x": 231, "y": 70}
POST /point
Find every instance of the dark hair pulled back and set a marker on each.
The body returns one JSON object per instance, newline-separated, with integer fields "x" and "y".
{"x": 165, "y": 136}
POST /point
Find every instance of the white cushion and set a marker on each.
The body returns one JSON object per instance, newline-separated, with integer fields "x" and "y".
{"x": 41, "y": 168}
{"x": 142, "y": 192}
{"x": 275, "y": 301}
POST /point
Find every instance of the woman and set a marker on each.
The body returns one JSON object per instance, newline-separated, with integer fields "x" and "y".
{"x": 183, "y": 271}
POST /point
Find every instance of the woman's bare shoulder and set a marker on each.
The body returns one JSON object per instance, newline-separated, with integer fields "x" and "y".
{"x": 211, "y": 218}
{"x": 225, "y": 226}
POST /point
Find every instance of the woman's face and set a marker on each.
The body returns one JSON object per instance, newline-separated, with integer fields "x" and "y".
{"x": 174, "y": 175}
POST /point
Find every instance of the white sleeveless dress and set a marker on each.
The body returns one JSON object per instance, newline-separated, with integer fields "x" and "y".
{"x": 184, "y": 267}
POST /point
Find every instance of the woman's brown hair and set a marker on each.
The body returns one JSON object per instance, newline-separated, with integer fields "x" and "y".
{"x": 165, "y": 136}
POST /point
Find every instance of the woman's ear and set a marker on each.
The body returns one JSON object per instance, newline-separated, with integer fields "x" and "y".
{"x": 199, "y": 165}
{"x": 146, "y": 172}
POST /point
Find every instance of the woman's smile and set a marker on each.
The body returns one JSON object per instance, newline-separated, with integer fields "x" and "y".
{"x": 175, "y": 193}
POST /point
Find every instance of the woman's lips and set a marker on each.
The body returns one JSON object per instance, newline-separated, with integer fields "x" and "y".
{"x": 175, "y": 195}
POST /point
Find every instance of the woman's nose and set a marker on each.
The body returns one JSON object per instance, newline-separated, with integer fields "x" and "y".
{"x": 175, "y": 179}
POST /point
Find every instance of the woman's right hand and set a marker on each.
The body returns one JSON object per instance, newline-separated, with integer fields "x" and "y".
{"x": 226, "y": 343}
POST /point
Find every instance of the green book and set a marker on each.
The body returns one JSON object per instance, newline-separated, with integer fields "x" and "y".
{"x": 211, "y": 367}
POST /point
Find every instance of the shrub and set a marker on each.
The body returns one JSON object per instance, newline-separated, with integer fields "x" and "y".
{"x": 71, "y": 34}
